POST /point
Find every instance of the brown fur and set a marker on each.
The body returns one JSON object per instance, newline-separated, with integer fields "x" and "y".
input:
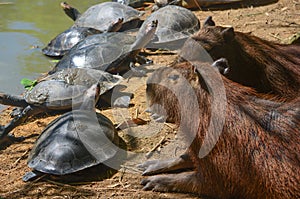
{"x": 263, "y": 65}
{"x": 257, "y": 154}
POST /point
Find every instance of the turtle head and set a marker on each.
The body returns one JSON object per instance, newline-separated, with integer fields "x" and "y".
{"x": 116, "y": 25}
{"x": 73, "y": 13}
{"x": 146, "y": 36}
{"x": 91, "y": 97}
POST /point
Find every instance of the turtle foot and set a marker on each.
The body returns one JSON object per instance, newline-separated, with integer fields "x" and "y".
{"x": 137, "y": 72}
{"x": 16, "y": 112}
{"x": 7, "y": 140}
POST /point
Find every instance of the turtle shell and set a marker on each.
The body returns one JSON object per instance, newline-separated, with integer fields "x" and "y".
{"x": 63, "y": 42}
{"x": 119, "y": 38}
{"x": 97, "y": 52}
{"x": 74, "y": 141}
{"x": 102, "y": 15}
{"x": 175, "y": 25}
{"x": 66, "y": 88}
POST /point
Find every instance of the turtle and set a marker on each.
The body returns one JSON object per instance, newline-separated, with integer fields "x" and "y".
{"x": 76, "y": 140}
{"x": 103, "y": 17}
{"x": 115, "y": 55}
{"x": 191, "y": 4}
{"x": 61, "y": 91}
{"x": 64, "y": 41}
{"x": 175, "y": 25}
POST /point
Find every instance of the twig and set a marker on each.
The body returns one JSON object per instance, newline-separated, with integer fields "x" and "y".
{"x": 20, "y": 158}
{"x": 112, "y": 188}
{"x": 131, "y": 168}
{"x": 136, "y": 113}
{"x": 65, "y": 184}
{"x": 149, "y": 154}
{"x": 276, "y": 37}
{"x": 121, "y": 177}
{"x": 253, "y": 22}
{"x": 253, "y": 14}
{"x": 168, "y": 125}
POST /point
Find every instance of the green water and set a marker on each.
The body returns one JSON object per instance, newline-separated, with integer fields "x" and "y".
{"x": 26, "y": 26}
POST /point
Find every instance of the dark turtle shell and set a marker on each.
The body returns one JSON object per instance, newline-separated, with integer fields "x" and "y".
{"x": 63, "y": 89}
{"x": 97, "y": 52}
{"x": 114, "y": 55}
{"x": 102, "y": 15}
{"x": 74, "y": 141}
{"x": 175, "y": 25}
{"x": 63, "y": 42}
{"x": 119, "y": 38}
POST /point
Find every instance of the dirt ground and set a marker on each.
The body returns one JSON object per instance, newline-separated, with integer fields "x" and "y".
{"x": 275, "y": 22}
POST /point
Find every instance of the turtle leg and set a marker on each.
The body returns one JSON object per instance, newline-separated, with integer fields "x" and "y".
{"x": 12, "y": 100}
{"x": 143, "y": 60}
{"x": 135, "y": 71}
{"x": 115, "y": 98}
{"x": 19, "y": 119}
{"x": 175, "y": 2}
{"x": 154, "y": 167}
{"x": 16, "y": 111}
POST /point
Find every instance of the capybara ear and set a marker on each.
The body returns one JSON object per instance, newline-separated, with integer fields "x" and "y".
{"x": 209, "y": 21}
{"x": 228, "y": 34}
{"x": 222, "y": 65}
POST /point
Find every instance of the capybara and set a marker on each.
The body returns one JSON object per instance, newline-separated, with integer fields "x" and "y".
{"x": 263, "y": 65}
{"x": 255, "y": 156}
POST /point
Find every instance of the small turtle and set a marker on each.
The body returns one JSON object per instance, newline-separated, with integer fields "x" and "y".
{"x": 175, "y": 25}
{"x": 114, "y": 55}
{"x": 76, "y": 140}
{"x": 191, "y": 4}
{"x": 60, "y": 91}
{"x": 103, "y": 17}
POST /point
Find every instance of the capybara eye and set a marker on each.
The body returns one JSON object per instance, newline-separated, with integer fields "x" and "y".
{"x": 173, "y": 77}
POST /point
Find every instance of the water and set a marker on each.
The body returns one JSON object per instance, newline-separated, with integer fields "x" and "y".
{"x": 26, "y": 26}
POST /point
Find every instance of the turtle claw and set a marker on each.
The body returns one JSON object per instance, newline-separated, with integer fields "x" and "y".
{"x": 32, "y": 175}
{"x": 149, "y": 61}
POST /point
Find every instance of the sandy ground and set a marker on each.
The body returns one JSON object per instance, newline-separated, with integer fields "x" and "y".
{"x": 275, "y": 22}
